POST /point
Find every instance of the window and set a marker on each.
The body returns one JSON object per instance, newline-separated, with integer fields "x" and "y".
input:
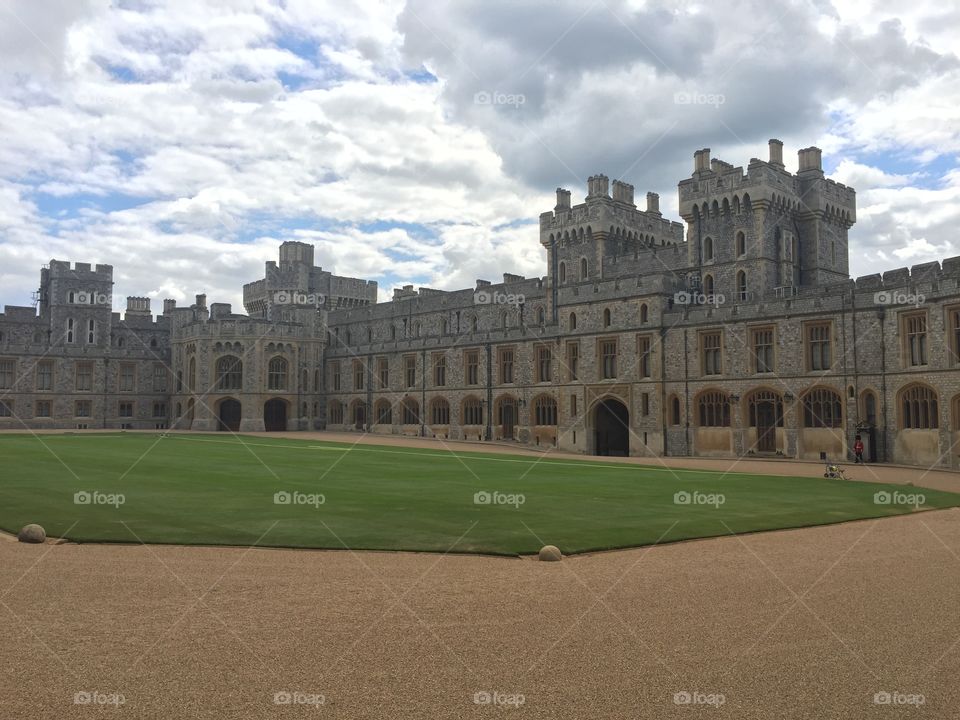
{"x": 506, "y": 365}
{"x": 608, "y": 359}
{"x": 91, "y": 332}
{"x": 819, "y": 356}
{"x": 741, "y": 243}
{"x": 583, "y": 268}
{"x": 45, "y": 375}
{"x": 383, "y": 373}
{"x": 7, "y": 373}
{"x": 741, "y": 285}
{"x": 277, "y": 374}
{"x": 541, "y": 316}
{"x": 708, "y": 248}
{"x": 643, "y": 355}
{"x": 954, "y": 330}
{"x": 544, "y": 363}
{"x": 336, "y": 412}
{"x": 762, "y": 342}
{"x": 384, "y": 412}
{"x": 675, "y": 410}
{"x": 573, "y": 360}
{"x": 766, "y": 398}
{"x": 573, "y": 406}
{"x": 440, "y": 412}
{"x": 918, "y": 407}
{"x": 915, "y": 339}
{"x": 84, "y": 378}
{"x": 471, "y": 360}
{"x": 606, "y": 317}
{"x": 475, "y": 323}
{"x": 125, "y": 410}
{"x": 127, "y": 375}
{"x": 711, "y": 353}
{"x": 358, "y": 413}
{"x": 644, "y": 313}
{"x": 159, "y": 378}
{"x": 563, "y": 272}
{"x": 545, "y": 410}
{"x": 869, "y": 407}
{"x": 645, "y": 404}
{"x": 6, "y": 408}
{"x": 335, "y": 375}
{"x": 822, "y": 408}
{"x": 411, "y": 411}
{"x": 713, "y": 409}
{"x": 316, "y": 384}
{"x": 708, "y": 286}
{"x": 573, "y": 321}
{"x": 229, "y": 373}
{"x": 192, "y": 374}
{"x": 440, "y": 370}
{"x": 472, "y": 412}
{"x": 44, "y": 408}
{"x": 359, "y": 375}
{"x": 159, "y": 410}
{"x": 82, "y": 409}
{"x": 70, "y": 330}
{"x": 444, "y": 326}
{"x": 410, "y": 370}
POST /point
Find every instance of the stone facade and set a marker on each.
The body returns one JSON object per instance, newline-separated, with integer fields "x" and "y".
{"x": 737, "y": 332}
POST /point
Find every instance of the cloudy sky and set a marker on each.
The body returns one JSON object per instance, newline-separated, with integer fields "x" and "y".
{"x": 417, "y": 141}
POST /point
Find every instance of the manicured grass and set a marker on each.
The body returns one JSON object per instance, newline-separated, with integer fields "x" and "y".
{"x": 219, "y": 489}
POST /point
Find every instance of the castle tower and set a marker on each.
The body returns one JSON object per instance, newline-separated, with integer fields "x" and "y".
{"x": 77, "y": 303}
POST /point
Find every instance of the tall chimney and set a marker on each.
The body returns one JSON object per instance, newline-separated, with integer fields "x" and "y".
{"x": 776, "y": 152}
{"x": 810, "y": 159}
{"x": 653, "y": 203}
{"x": 563, "y": 200}
{"x": 169, "y": 305}
{"x": 701, "y": 160}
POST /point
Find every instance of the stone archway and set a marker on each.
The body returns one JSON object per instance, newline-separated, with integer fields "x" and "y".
{"x": 275, "y": 415}
{"x": 228, "y": 415}
{"x": 611, "y": 424}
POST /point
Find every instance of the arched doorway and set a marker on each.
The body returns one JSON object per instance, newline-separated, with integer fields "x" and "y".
{"x": 611, "y": 422}
{"x": 275, "y": 415}
{"x": 228, "y": 415}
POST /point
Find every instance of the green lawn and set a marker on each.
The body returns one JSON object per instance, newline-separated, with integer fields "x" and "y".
{"x": 219, "y": 489}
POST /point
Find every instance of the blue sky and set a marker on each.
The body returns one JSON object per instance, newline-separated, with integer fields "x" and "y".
{"x": 183, "y": 147}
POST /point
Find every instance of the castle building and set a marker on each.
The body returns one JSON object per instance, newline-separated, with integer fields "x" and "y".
{"x": 737, "y": 332}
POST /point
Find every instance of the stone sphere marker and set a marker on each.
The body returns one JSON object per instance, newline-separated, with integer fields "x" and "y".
{"x": 32, "y": 533}
{"x": 550, "y": 553}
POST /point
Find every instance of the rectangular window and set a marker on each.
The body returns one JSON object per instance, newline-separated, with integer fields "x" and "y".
{"x": 127, "y": 374}
{"x": 643, "y": 355}
{"x": 608, "y": 359}
{"x": 45, "y": 376}
{"x": 440, "y": 371}
{"x": 711, "y": 353}
{"x": 472, "y": 372}
{"x": 819, "y": 353}
{"x": 70, "y": 330}
{"x": 573, "y": 406}
{"x": 506, "y": 366}
{"x": 159, "y": 410}
{"x": 573, "y": 360}
{"x": 359, "y": 373}
{"x": 544, "y": 361}
{"x": 84, "y": 380}
{"x": 645, "y": 404}
{"x": 335, "y": 375}
{"x": 44, "y": 408}
{"x": 953, "y": 329}
{"x": 915, "y": 337}
{"x": 6, "y": 408}
{"x": 91, "y": 332}
{"x": 383, "y": 372}
{"x": 7, "y": 372}
{"x": 82, "y": 409}
{"x": 159, "y": 378}
{"x": 125, "y": 409}
{"x": 762, "y": 350}
{"x": 410, "y": 370}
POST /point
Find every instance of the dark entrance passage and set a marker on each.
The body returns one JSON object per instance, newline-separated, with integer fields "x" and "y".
{"x": 228, "y": 417}
{"x": 766, "y": 426}
{"x": 612, "y": 424}
{"x": 275, "y": 415}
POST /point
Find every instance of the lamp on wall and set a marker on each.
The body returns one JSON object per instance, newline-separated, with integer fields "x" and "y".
{"x": 788, "y": 397}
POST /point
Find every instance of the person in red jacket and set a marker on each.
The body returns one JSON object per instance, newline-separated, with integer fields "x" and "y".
{"x": 858, "y": 449}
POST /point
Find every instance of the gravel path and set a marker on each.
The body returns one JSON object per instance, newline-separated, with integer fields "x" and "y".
{"x": 795, "y": 624}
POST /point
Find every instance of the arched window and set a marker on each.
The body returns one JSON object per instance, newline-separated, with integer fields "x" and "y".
{"x": 229, "y": 373}
{"x": 644, "y": 314}
{"x": 868, "y": 407}
{"x": 545, "y": 410}
{"x": 475, "y": 323}
{"x": 91, "y": 332}
{"x": 708, "y": 285}
{"x": 918, "y": 408}
{"x": 472, "y": 411}
{"x": 741, "y": 242}
{"x": 277, "y": 374}
{"x": 192, "y": 374}
{"x": 541, "y": 316}
{"x": 563, "y": 272}
{"x": 713, "y": 409}
{"x": 70, "y": 332}
{"x": 443, "y": 326}
{"x": 410, "y": 411}
{"x": 316, "y": 381}
{"x": 335, "y": 413}
{"x": 742, "y": 285}
{"x": 384, "y": 412}
{"x": 675, "y": 410}
{"x": 606, "y": 317}
{"x": 708, "y": 248}
{"x": 573, "y": 321}
{"x": 440, "y": 412}
{"x": 583, "y": 268}
{"x": 822, "y": 408}
{"x": 504, "y": 320}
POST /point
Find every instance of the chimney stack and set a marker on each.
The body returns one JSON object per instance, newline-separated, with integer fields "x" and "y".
{"x": 653, "y": 203}
{"x": 169, "y": 306}
{"x": 776, "y": 152}
{"x": 563, "y": 200}
{"x": 701, "y": 160}
{"x": 809, "y": 159}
